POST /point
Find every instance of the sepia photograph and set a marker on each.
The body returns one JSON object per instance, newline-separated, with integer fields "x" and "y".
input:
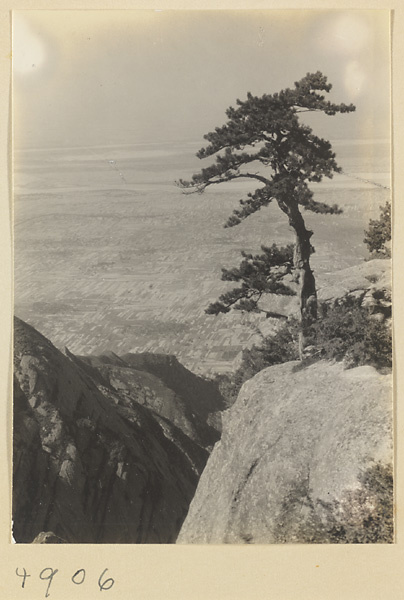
{"x": 202, "y": 343}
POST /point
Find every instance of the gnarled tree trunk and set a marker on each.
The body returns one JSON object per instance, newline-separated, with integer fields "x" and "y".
{"x": 303, "y": 271}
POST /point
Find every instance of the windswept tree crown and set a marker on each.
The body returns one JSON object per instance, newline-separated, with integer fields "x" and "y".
{"x": 267, "y": 130}
{"x": 264, "y": 140}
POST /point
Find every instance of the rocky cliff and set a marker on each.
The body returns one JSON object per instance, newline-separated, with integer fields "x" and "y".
{"x": 305, "y": 456}
{"x": 106, "y": 449}
{"x": 160, "y": 383}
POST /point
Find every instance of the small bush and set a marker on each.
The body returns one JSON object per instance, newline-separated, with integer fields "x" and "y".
{"x": 348, "y": 331}
{"x": 361, "y": 516}
{"x": 364, "y": 515}
{"x": 379, "y": 233}
{"x": 344, "y": 331}
{"x": 278, "y": 348}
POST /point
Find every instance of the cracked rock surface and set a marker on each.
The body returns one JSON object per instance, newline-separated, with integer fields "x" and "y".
{"x": 291, "y": 462}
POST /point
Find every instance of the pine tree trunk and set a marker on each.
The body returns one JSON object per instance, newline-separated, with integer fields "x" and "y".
{"x": 307, "y": 285}
{"x": 304, "y": 274}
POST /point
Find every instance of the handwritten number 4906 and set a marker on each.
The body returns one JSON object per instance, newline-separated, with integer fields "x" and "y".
{"x": 78, "y": 578}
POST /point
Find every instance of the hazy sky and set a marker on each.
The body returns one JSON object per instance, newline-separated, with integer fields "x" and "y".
{"x": 109, "y": 76}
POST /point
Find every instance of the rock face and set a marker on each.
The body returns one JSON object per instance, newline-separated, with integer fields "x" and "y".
{"x": 305, "y": 456}
{"x": 160, "y": 383}
{"x": 103, "y": 452}
{"x": 369, "y": 276}
{"x": 369, "y": 281}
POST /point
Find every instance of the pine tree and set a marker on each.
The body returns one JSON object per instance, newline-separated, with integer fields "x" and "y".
{"x": 378, "y": 236}
{"x": 267, "y": 130}
{"x": 259, "y": 274}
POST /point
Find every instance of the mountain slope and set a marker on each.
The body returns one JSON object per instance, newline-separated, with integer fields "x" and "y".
{"x": 91, "y": 464}
{"x": 162, "y": 384}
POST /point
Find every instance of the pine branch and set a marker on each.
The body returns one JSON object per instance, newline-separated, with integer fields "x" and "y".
{"x": 267, "y": 130}
{"x": 259, "y": 274}
{"x": 289, "y": 148}
{"x": 322, "y": 207}
{"x": 199, "y": 185}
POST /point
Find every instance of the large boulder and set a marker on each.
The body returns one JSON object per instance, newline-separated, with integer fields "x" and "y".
{"x": 305, "y": 456}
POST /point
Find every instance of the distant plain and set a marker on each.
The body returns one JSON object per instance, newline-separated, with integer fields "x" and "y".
{"x": 111, "y": 255}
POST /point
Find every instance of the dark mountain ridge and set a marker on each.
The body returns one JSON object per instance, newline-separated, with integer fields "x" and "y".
{"x": 103, "y": 452}
{"x": 189, "y": 401}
